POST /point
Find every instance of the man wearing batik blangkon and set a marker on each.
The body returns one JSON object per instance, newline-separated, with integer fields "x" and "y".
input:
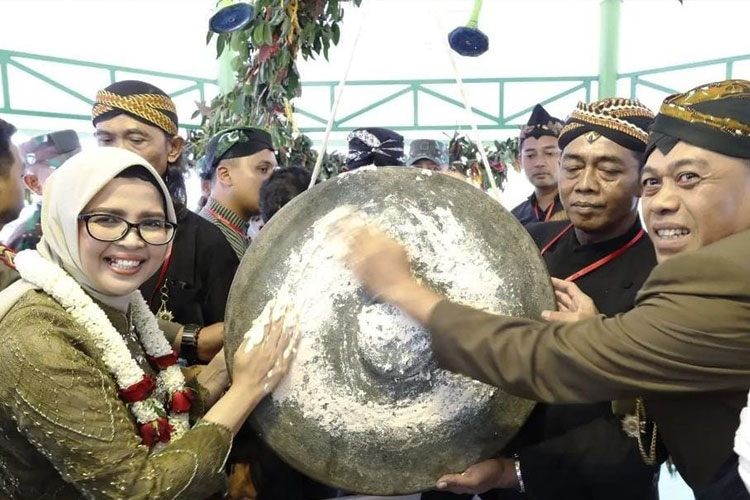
{"x": 684, "y": 346}
{"x": 193, "y": 285}
{"x": 582, "y": 451}
{"x": 375, "y": 146}
{"x": 539, "y": 155}
{"x": 41, "y": 156}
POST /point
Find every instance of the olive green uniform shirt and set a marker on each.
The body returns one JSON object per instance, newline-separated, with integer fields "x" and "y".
{"x": 64, "y": 432}
{"x": 685, "y": 347}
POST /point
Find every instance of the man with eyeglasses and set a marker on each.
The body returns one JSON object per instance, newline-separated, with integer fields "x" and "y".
{"x": 238, "y": 160}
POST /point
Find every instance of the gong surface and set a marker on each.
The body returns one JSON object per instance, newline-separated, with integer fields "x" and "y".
{"x": 364, "y": 407}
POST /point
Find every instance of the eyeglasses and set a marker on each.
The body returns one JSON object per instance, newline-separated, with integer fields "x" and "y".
{"x": 108, "y": 227}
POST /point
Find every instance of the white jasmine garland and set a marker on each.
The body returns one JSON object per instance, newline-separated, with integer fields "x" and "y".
{"x": 60, "y": 286}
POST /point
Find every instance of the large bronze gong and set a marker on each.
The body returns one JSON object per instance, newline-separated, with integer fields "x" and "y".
{"x": 364, "y": 407}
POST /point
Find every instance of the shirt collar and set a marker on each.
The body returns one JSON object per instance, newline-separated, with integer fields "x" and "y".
{"x": 228, "y": 214}
{"x": 611, "y": 244}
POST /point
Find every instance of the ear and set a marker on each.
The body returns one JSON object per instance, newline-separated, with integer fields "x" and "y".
{"x": 223, "y": 173}
{"x": 175, "y": 145}
{"x": 31, "y": 181}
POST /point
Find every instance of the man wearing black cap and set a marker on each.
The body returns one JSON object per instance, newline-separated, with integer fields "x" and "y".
{"x": 684, "y": 347}
{"x": 192, "y": 286}
{"x": 239, "y": 160}
{"x": 539, "y": 156}
{"x": 581, "y": 451}
{"x": 41, "y": 156}
{"x": 374, "y": 146}
{"x": 428, "y": 154}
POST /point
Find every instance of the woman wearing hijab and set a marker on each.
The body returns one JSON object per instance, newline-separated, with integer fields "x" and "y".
{"x": 92, "y": 404}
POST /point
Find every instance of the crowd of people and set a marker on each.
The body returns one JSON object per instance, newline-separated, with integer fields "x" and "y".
{"x": 113, "y": 297}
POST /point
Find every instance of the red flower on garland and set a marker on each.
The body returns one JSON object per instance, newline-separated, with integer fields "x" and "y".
{"x": 181, "y": 401}
{"x": 138, "y": 391}
{"x": 164, "y": 362}
{"x": 165, "y": 430}
{"x": 157, "y": 431}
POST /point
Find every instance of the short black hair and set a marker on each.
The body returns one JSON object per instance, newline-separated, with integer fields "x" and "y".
{"x": 640, "y": 158}
{"x": 280, "y": 188}
{"x": 141, "y": 173}
{"x": 6, "y": 153}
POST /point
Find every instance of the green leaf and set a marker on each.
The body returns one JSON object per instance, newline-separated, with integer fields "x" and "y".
{"x": 335, "y": 34}
{"x": 236, "y": 64}
{"x": 258, "y": 35}
{"x": 235, "y": 41}
{"x": 245, "y": 51}
{"x": 292, "y": 82}
{"x": 209, "y": 36}
{"x": 268, "y": 34}
{"x": 333, "y": 7}
{"x": 285, "y": 57}
{"x": 278, "y": 17}
{"x": 308, "y": 32}
{"x": 220, "y": 43}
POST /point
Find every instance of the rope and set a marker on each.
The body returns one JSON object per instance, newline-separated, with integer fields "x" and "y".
{"x": 335, "y": 107}
{"x": 472, "y": 119}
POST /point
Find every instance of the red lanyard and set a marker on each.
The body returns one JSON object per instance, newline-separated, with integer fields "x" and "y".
{"x": 162, "y": 276}
{"x": 599, "y": 263}
{"x": 549, "y": 211}
{"x": 233, "y": 227}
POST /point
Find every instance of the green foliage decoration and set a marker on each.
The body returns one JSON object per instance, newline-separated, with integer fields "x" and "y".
{"x": 263, "y": 61}
{"x": 465, "y": 158}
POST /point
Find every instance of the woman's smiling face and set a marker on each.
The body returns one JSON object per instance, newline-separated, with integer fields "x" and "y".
{"x": 118, "y": 268}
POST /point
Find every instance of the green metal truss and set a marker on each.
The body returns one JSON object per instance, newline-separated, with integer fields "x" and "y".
{"x": 19, "y": 60}
{"x": 499, "y": 119}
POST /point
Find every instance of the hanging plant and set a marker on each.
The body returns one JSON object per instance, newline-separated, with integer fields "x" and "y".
{"x": 465, "y": 158}
{"x": 263, "y": 61}
{"x": 302, "y": 154}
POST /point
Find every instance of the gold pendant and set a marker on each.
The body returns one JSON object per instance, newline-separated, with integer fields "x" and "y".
{"x": 631, "y": 425}
{"x": 164, "y": 313}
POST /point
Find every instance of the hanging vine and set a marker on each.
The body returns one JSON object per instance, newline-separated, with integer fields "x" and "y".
{"x": 263, "y": 61}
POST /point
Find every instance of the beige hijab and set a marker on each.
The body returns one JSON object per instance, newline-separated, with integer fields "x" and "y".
{"x": 66, "y": 193}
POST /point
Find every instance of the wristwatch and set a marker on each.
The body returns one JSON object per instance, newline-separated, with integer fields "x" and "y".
{"x": 189, "y": 344}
